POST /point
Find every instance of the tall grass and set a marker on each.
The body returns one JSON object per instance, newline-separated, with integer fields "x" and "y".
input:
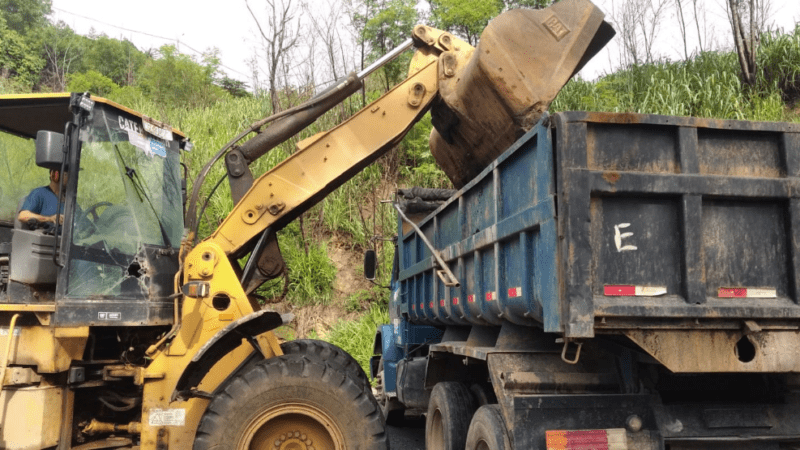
{"x": 707, "y": 85}
{"x": 356, "y": 337}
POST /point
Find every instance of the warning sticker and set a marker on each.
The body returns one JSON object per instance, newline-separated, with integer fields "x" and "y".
{"x": 167, "y": 417}
{"x": 150, "y": 145}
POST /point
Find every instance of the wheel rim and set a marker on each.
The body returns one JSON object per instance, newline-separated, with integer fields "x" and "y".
{"x": 291, "y": 426}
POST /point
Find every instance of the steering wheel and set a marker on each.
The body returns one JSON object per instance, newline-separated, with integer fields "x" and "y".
{"x": 92, "y": 210}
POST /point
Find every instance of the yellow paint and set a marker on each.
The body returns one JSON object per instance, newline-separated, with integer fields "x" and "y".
{"x": 200, "y": 322}
{"x": 51, "y": 350}
{"x": 31, "y": 417}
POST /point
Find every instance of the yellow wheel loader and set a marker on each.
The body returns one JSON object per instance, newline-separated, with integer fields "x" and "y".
{"x": 119, "y": 330}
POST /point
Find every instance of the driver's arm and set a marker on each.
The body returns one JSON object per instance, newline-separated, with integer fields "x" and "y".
{"x": 26, "y": 215}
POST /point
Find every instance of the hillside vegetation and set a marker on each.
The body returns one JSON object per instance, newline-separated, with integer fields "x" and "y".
{"x": 325, "y": 288}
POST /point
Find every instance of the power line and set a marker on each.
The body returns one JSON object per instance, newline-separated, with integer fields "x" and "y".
{"x": 147, "y": 34}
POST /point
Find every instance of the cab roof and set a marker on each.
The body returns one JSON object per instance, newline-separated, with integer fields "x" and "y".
{"x": 25, "y": 114}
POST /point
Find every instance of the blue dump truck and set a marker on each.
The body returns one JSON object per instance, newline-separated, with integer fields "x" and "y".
{"x": 611, "y": 281}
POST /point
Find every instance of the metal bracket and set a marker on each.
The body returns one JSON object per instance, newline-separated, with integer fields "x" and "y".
{"x": 564, "y": 351}
{"x": 444, "y": 272}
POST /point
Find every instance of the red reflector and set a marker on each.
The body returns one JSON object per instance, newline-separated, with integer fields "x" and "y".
{"x": 515, "y": 292}
{"x": 612, "y": 439}
{"x": 747, "y": 293}
{"x": 619, "y": 290}
{"x": 430, "y": 305}
{"x": 441, "y": 302}
{"x": 490, "y": 296}
{"x": 471, "y": 298}
{"x": 455, "y": 300}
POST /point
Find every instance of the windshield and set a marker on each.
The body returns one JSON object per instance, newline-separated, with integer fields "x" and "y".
{"x": 128, "y": 201}
{"x": 18, "y": 174}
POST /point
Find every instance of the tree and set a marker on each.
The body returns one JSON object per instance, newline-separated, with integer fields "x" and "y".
{"x": 19, "y": 60}
{"x": 176, "y": 80}
{"x": 234, "y": 87}
{"x": 280, "y": 34}
{"x": 62, "y": 48}
{"x": 327, "y": 28}
{"x": 118, "y": 60}
{"x": 24, "y": 16}
{"x": 754, "y": 13}
{"x": 638, "y": 24}
{"x": 466, "y": 18}
{"x": 387, "y": 24}
{"x": 91, "y": 81}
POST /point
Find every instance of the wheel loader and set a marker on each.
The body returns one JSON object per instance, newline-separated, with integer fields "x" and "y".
{"x": 118, "y": 329}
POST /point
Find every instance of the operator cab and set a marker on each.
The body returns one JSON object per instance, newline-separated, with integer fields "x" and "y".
{"x": 114, "y": 259}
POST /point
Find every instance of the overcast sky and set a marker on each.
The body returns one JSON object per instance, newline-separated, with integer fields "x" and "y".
{"x": 198, "y": 25}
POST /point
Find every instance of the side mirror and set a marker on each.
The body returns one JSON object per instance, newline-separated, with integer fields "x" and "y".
{"x": 370, "y": 264}
{"x": 49, "y": 149}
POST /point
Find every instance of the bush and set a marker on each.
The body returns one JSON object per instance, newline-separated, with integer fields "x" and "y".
{"x": 91, "y": 81}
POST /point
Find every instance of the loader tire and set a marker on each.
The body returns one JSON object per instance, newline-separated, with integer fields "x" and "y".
{"x": 449, "y": 412}
{"x": 329, "y": 353}
{"x": 488, "y": 430}
{"x": 292, "y": 401}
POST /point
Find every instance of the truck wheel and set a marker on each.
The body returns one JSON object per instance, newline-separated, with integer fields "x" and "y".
{"x": 488, "y": 430}
{"x": 292, "y": 401}
{"x": 392, "y": 409}
{"x": 329, "y": 353}
{"x": 449, "y": 412}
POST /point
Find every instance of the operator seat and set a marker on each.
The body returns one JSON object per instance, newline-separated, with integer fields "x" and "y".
{"x": 31, "y": 260}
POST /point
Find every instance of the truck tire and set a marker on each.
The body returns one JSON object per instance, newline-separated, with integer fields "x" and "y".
{"x": 487, "y": 431}
{"x": 292, "y": 401}
{"x": 449, "y": 412}
{"x": 392, "y": 410}
{"x": 329, "y": 353}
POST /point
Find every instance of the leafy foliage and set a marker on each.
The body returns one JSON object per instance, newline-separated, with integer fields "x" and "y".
{"x": 18, "y": 58}
{"x": 91, "y": 81}
{"x": 387, "y": 25}
{"x": 25, "y": 16}
{"x": 465, "y": 18}
{"x": 118, "y": 60}
{"x": 779, "y": 60}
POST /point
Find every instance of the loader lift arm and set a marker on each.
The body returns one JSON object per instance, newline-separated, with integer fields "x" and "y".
{"x": 327, "y": 160}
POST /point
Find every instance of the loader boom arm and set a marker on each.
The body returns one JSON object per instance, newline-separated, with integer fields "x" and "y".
{"x": 327, "y": 160}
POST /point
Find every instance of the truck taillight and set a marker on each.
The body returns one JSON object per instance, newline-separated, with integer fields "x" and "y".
{"x": 610, "y": 439}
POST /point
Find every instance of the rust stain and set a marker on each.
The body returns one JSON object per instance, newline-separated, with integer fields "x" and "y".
{"x": 624, "y": 118}
{"x": 611, "y": 177}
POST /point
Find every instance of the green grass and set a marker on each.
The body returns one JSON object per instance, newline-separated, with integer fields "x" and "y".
{"x": 356, "y": 337}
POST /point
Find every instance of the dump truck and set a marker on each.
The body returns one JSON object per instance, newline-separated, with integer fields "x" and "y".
{"x": 119, "y": 329}
{"x": 610, "y": 281}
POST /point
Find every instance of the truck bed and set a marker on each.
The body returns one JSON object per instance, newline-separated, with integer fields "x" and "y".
{"x": 612, "y": 223}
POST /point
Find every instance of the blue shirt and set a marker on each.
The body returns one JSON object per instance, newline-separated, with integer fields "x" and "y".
{"x": 42, "y": 201}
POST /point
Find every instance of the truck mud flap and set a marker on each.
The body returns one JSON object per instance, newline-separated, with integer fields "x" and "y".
{"x": 535, "y": 415}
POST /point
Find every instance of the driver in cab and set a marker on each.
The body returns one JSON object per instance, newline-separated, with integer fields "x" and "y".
{"x": 43, "y": 204}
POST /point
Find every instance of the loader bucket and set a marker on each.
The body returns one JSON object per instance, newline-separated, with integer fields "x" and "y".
{"x": 522, "y": 61}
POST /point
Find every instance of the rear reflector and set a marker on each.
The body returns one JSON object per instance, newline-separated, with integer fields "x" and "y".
{"x": 611, "y": 439}
{"x": 747, "y": 293}
{"x": 624, "y": 290}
